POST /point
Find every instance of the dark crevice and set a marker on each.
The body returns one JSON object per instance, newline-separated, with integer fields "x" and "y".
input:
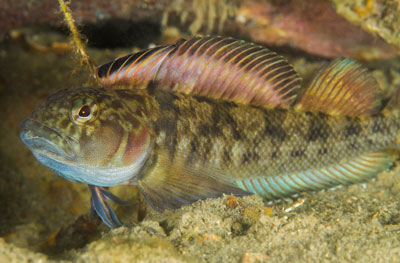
{"x": 241, "y": 230}
{"x": 166, "y": 227}
{"x": 81, "y": 232}
{"x": 119, "y": 33}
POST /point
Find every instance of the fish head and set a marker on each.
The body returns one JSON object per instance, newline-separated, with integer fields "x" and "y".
{"x": 86, "y": 135}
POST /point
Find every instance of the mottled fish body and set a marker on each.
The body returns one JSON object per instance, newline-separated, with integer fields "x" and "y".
{"x": 273, "y": 153}
{"x": 179, "y": 147}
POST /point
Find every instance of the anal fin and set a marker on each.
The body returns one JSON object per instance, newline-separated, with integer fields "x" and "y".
{"x": 356, "y": 170}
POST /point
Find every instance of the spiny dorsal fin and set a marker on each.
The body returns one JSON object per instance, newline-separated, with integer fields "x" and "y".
{"x": 343, "y": 87}
{"x": 216, "y": 67}
{"x": 356, "y": 170}
{"x": 171, "y": 185}
{"x": 135, "y": 68}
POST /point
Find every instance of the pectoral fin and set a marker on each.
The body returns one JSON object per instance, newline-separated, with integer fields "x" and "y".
{"x": 173, "y": 185}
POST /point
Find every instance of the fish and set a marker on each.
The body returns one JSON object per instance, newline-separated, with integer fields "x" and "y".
{"x": 179, "y": 147}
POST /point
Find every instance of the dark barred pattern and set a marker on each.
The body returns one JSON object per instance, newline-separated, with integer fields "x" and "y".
{"x": 217, "y": 67}
{"x": 254, "y": 142}
{"x": 272, "y": 152}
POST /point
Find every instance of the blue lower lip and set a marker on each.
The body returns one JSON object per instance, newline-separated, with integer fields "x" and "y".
{"x": 37, "y": 137}
{"x": 39, "y": 143}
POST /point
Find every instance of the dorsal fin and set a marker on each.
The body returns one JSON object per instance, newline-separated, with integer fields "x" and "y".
{"x": 216, "y": 67}
{"x": 343, "y": 87}
{"x": 173, "y": 184}
{"x": 135, "y": 68}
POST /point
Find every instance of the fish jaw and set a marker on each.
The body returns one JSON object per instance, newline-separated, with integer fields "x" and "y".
{"x": 46, "y": 140}
{"x": 62, "y": 158}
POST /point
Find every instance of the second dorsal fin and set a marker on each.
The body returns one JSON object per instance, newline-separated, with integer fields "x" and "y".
{"x": 343, "y": 87}
{"x": 216, "y": 67}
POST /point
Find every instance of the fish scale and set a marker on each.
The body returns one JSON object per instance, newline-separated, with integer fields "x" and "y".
{"x": 263, "y": 142}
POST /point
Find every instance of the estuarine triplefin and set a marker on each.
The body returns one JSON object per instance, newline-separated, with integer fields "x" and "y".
{"x": 209, "y": 116}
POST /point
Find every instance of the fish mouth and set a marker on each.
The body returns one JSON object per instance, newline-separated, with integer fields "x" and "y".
{"x": 44, "y": 140}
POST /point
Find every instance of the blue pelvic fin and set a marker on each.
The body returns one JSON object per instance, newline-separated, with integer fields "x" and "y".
{"x": 99, "y": 204}
{"x": 356, "y": 170}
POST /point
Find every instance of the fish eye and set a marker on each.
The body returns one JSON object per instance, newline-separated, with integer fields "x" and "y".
{"x": 84, "y": 111}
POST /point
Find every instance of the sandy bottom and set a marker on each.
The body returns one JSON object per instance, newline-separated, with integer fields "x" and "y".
{"x": 45, "y": 218}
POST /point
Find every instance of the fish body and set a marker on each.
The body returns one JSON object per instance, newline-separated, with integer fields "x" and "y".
{"x": 252, "y": 142}
{"x": 179, "y": 147}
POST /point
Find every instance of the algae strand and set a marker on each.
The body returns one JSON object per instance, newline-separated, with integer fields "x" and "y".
{"x": 77, "y": 37}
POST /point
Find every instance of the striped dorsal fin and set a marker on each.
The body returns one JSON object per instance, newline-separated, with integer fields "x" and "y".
{"x": 343, "y": 87}
{"x": 216, "y": 67}
{"x": 133, "y": 69}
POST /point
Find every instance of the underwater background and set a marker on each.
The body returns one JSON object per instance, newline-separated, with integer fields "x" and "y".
{"x": 45, "y": 218}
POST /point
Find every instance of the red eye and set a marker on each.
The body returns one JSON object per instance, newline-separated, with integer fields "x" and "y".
{"x": 84, "y": 111}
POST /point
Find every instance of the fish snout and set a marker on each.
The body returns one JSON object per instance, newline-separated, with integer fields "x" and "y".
{"x": 43, "y": 139}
